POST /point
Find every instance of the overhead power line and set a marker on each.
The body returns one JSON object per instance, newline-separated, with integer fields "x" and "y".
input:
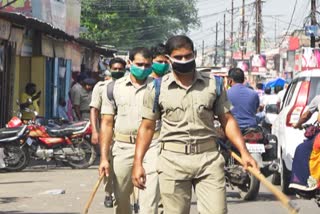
{"x": 293, "y": 12}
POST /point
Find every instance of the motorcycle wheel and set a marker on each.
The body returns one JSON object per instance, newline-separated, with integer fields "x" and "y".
{"x": 88, "y": 156}
{"x": 21, "y": 158}
{"x": 251, "y": 190}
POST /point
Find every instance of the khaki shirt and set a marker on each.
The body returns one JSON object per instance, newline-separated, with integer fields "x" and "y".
{"x": 187, "y": 114}
{"x": 129, "y": 100}
{"x": 74, "y": 91}
{"x": 83, "y": 99}
{"x": 99, "y": 94}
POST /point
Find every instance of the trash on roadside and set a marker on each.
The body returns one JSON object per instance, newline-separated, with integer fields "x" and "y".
{"x": 54, "y": 192}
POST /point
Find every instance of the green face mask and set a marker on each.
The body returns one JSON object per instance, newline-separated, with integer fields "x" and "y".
{"x": 117, "y": 74}
{"x": 139, "y": 73}
{"x": 160, "y": 68}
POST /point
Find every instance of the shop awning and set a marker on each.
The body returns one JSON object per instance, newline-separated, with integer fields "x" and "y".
{"x": 20, "y": 20}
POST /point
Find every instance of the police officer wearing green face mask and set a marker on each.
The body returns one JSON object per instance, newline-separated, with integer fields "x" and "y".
{"x": 116, "y": 71}
{"x": 126, "y": 107}
{"x": 160, "y": 62}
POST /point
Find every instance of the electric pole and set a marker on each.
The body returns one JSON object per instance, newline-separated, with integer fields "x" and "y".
{"x": 216, "y": 49}
{"x": 313, "y": 22}
{"x": 243, "y": 29}
{"x": 231, "y": 34}
{"x": 258, "y": 26}
{"x": 224, "y": 40}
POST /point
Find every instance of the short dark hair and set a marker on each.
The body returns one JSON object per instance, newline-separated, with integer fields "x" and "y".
{"x": 158, "y": 50}
{"x": 278, "y": 88}
{"x": 236, "y": 74}
{"x": 267, "y": 90}
{"x": 259, "y": 86}
{"x": 117, "y": 60}
{"x": 145, "y": 52}
{"x": 177, "y": 42}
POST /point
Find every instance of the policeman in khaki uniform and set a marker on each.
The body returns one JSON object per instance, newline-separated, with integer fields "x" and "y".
{"x": 189, "y": 152}
{"x": 128, "y": 96}
{"x": 75, "y": 92}
{"x": 99, "y": 97}
{"x": 82, "y": 99}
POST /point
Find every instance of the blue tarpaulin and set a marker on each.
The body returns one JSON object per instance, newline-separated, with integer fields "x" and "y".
{"x": 275, "y": 82}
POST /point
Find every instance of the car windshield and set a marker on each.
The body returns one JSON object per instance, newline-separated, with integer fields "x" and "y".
{"x": 314, "y": 88}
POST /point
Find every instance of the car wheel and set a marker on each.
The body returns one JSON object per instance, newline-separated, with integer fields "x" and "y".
{"x": 285, "y": 179}
{"x": 276, "y": 178}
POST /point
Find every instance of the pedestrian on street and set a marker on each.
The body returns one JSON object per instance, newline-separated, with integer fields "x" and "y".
{"x": 75, "y": 92}
{"x": 82, "y": 100}
{"x": 62, "y": 112}
{"x": 189, "y": 153}
{"x": 99, "y": 96}
{"x": 126, "y": 107}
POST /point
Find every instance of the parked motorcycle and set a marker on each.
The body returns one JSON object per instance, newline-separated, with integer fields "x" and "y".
{"x": 13, "y": 155}
{"x": 66, "y": 142}
{"x": 263, "y": 148}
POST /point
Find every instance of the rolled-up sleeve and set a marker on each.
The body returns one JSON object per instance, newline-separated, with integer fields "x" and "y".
{"x": 222, "y": 104}
{"x": 96, "y": 96}
{"x": 313, "y": 106}
{"x": 149, "y": 111}
{"x": 107, "y": 107}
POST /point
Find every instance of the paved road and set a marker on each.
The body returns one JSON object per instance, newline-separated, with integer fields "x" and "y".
{"x": 24, "y": 193}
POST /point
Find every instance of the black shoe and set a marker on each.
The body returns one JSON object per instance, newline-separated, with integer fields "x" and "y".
{"x": 108, "y": 202}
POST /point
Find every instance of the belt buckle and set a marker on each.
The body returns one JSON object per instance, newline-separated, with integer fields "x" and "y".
{"x": 132, "y": 139}
{"x": 191, "y": 149}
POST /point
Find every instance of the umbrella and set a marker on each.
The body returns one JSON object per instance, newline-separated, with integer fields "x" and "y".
{"x": 276, "y": 82}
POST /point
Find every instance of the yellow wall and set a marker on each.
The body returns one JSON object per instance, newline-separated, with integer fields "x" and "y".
{"x": 17, "y": 86}
{"x": 29, "y": 69}
{"x": 22, "y": 77}
{"x": 38, "y": 76}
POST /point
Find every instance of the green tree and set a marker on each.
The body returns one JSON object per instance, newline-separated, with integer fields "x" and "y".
{"x": 129, "y": 23}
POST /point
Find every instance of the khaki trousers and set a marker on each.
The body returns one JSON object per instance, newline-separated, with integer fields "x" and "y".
{"x": 108, "y": 181}
{"x": 178, "y": 173}
{"x": 123, "y": 154}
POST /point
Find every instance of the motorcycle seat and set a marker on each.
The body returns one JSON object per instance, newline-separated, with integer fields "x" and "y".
{"x": 11, "y": 134}
{"x": 68, "y": 129}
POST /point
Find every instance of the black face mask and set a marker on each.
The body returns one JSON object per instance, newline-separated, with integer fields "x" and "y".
{"x": 117, "y": 75}
{"x": 184, "y": 68}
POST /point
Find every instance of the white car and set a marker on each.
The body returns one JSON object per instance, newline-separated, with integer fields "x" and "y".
{"x": 303, "y": 88}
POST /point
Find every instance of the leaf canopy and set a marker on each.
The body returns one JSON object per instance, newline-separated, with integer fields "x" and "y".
{"x": 130, "y": 23}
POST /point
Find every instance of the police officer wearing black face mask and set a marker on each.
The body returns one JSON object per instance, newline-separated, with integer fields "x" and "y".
{"x": 183, "y": 61}
{"x": 189, "y": 152}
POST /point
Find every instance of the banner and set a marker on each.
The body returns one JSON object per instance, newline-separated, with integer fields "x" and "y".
{"x": 47, "y": 46}
{"x": 243, "y": 65}
{"x": 5, "y": 28}
{"x": 310, "y": 58}
{"x": 258, "y": 63}
{"x": 26, "y": 49}
{"x": 16, "y": 36}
